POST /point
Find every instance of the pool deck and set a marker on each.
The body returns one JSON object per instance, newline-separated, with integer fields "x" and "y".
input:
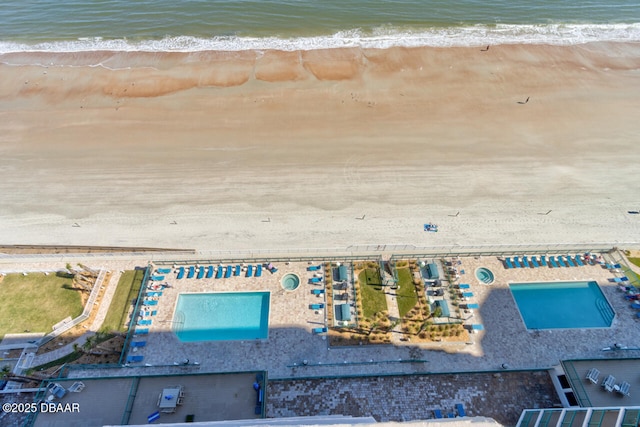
{"x": 291, "y": 341}
{"x": 293, "y": 351}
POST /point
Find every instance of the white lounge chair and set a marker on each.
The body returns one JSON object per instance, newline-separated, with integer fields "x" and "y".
{"x": 623, "y": 388}
{"x": 609, "y": 383}
{"x": 593, "y": 375}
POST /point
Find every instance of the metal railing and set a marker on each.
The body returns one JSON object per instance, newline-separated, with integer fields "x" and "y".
{"x": 85, "y": 313}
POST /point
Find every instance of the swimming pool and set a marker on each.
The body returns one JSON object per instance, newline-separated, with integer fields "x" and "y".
{"x": 222, "y": 316}
{"x": 562, "y": 305}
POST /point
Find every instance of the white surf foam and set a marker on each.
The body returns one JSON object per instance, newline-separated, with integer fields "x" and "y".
{"x": 479, "y": 35}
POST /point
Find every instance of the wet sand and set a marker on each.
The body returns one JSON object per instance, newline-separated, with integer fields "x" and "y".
{"x": 261, "y": 150}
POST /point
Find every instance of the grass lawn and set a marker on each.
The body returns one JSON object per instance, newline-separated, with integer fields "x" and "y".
{"x": 36, "y": 302}
{"x": 407, "y": 297}
{"x": 373, "y": 297}
{"x": 127, "y": 290}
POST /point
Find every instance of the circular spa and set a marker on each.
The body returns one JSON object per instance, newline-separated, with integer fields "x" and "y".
{"x": 485, "y": 275}
{"x": 290, "y": 282}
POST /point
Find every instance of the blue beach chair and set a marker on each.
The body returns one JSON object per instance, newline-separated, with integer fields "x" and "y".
{"x": 144, "y": 322}
{"x": 525, "y": 262}
{"x": 135, "y": 358}
{"x": 164, "y": 270}
{"x": 460, "y": 410}
{"x": 534, "y": 262}
{"x": 315, "y": 280}
{"x": 150, "y": 302}
{"x": 237, "y": 270}
{"x": 560, "y": 261}
{"x": 570, "y": 261}
{"x": 192, "y": 272}
{"x": 473, "y": 306}
{"x": 157, "y": 278}
{"x": 437, "y": 413}
{"x": 319, "y": 330}
{"x": 477, "y": 327}
{"x": 313, "y": 268}
{"x": 552, "y": 260}
{"x": 464, "y": 286}
{"x": 250, "y": 270}
{"x": 180, "y": 273}
{"x": 316, "y": 306}
{"x": 142, "y": 331}
{"x": 467, "y": 294}
{"x": 228, "y": 272}
{"x": 317, "y": 291}
{"x": 258, "y": 270}
{"x": 507, "y": 262}
{"x": 516, "y": 262}
{"x": 200, "y": 272}
{"x": 138, "y": 343}
{"x": 219, "y": 272}
{"x": 209, "y": 272}
{"x": 578, "y": 260}
{"x": 155, "y": 294}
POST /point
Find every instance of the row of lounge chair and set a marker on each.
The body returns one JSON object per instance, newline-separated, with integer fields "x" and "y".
{"x": 553, "y": 261}
{"x": 609, "y": 382}
{"x": 459, "y": 412}
{"x": 220, "y": 271}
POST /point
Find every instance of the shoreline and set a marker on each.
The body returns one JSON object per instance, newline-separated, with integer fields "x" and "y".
{"x": 219, "y": 143}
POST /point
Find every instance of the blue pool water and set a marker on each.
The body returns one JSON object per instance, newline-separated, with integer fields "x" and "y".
{"x": 222, "y": 316}
{"x": 560, "y": 305}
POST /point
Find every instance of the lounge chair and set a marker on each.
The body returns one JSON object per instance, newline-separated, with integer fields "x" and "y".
{"x": 135, "y": 358}
{"x": 543, "y": 261}
{"x": 250, "y": 270}
{"x": 516, "y": 262}
{"x": 237, "y": 270}
{"x": 138, "y": 343}
{"x": 467, "y": 294}
{"x": 593, "y": 375}
{"x": 164, "y": 270}
{"x": 608, "y": 383}
{"x": 192, "y": 272}
{"x": 636, "y": 305}
{"x": 473, "y": 306}
{"x": 219, "y": 272}
{"x": 316, "y": 306}
{"x": 180, "y": 273}
{"x": 534, "y": 262}
{"x": 315, "y": 280}
{"x": 477, "y": 327}
{"x": 508, "y": 264}
{"x": 525, "y": 261}
{"x": 150, "y": 302}
{"x": 154, "y": 294}
{"x": 570, "y": 261}
{"x": 210, "y": 272}
{"x": 157, "y": 278}
{"x": 317, "y": 291}
{"x": 141, "y": 331}
{"x": 437, "y": 413}
{"x": 560, "y": 261}
{"x": 623, "y": 388}
{"x": 313, "y": 268}
{"x": 227, "y": 272}
{"x": 578, "y": 261}
{"x": 464, "y": 286}
{"x": 319, "y": 330}
{"x": 258, "y": 270}
{"x": 552, "y": 260}
{"x": 460, "y": 410}
{"x": 144, "y": 322}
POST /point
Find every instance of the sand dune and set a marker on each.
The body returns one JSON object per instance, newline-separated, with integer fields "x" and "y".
{"x": 125, "y": 144}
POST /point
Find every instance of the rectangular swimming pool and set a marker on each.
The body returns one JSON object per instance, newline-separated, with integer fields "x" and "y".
{"x": 222, "y": 316}
{"x": 562, "y": 305}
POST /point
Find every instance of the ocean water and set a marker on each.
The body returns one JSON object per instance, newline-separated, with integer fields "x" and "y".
{"x": 194, "y": 25}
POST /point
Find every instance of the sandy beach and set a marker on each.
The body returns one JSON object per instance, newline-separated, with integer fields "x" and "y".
{"x": 261, "y": 150}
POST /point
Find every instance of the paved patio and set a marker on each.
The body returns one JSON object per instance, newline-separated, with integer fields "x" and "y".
{"x": 290, "y": 343}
